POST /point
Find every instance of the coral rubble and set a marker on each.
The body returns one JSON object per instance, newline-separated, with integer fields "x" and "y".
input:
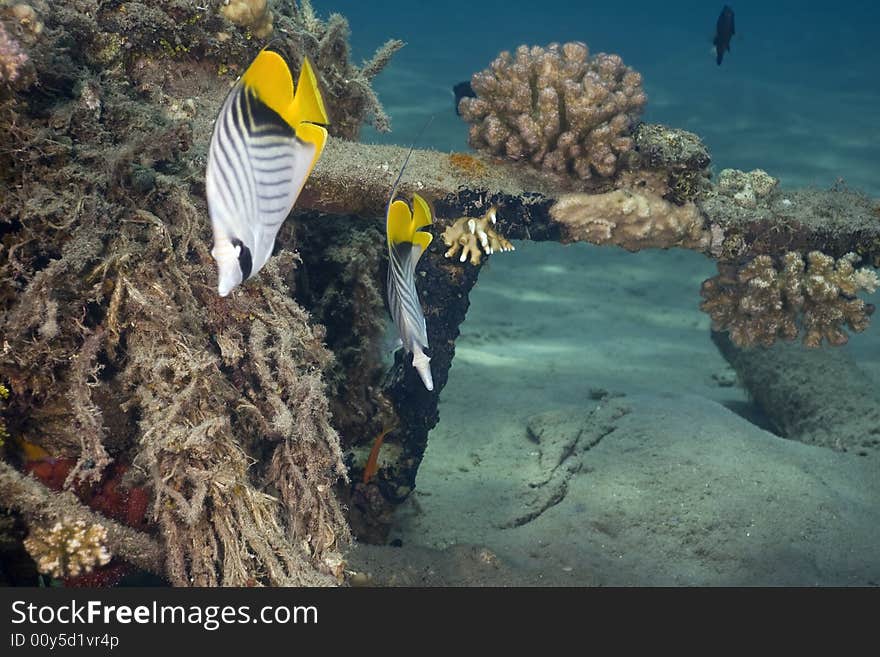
{"x": 557, "y": 107}
{"x": 760, "y": 301}
{"x": 469, "y": 236}
{"x": 68, "y": 548}
{"x": 633, "y": 220}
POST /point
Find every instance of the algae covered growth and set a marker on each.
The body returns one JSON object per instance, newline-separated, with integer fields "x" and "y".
{"x": 200, "y": 420}
{"x": 151, "y": 426}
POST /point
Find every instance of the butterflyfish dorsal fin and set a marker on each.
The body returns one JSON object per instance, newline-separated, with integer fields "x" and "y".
{"x": 421, "y": 212}
{"x": 398, "y": 224}
{"x": 269, "y": 77}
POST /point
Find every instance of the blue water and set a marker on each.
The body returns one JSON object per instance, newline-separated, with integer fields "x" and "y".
{"x": 797, "y": 95}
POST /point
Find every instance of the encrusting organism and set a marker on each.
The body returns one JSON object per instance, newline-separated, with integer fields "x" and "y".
{"x": 748, "y": 189}
{"x": 674, "y": 160}
{"x": 631, "y": 219}
{"x": 115, "y": 332}
{"x": 266, "y": 141}
{"x": 4, "y": 395}
{"x": 759, "y": 302}
{"x": 254, "y": 15}
{"x": 558, "y": 108}
{"x": 68, "y": 548}
{"x": 469, "y": 235}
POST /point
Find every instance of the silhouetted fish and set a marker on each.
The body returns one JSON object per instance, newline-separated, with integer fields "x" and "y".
{"x": 723, "y": 32}
{"x": 462, "y": 90}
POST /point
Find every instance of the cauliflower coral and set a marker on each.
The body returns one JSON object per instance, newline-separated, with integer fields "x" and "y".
{"x": 556, "y": 107}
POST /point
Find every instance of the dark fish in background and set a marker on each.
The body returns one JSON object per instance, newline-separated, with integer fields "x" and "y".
{"x": 462, "y": 90}
{"x": 723, "y": 32}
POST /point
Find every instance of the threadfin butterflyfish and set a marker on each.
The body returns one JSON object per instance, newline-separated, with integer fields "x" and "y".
{"x": 406, "y": 244}
{"x": 266, "y": 141}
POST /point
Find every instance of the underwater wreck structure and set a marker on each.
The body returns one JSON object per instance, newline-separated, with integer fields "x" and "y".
{"x": 224, "y": 441}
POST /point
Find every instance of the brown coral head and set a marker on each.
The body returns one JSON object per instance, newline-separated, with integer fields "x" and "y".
{"x": 68, "y": 548}
{"x": 763, "y": 300}
{"x": 557, "y": 108}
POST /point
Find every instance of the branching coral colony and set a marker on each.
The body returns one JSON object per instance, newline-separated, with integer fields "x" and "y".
{"x": 557, "y": 108}
{"x": 760, "y": 301}
{"x": 473, "y": 237}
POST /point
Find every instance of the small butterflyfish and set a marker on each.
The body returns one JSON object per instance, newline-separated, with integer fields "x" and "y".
{"x": 406, "y": 244}
{"x": 266, "y": 141}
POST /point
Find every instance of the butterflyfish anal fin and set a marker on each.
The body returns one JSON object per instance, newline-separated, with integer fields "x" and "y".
{"x": 422, "y": 239}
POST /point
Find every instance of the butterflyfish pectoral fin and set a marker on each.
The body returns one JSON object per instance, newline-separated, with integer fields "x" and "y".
{"x": 261, "y": 154}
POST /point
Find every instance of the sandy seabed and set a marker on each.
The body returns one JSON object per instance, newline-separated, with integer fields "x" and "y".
{"x": 591, "y": 434}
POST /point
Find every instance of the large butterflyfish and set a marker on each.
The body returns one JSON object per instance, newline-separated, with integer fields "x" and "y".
{"x": 406, "y": 244}
{"x": 265, "y": 144}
